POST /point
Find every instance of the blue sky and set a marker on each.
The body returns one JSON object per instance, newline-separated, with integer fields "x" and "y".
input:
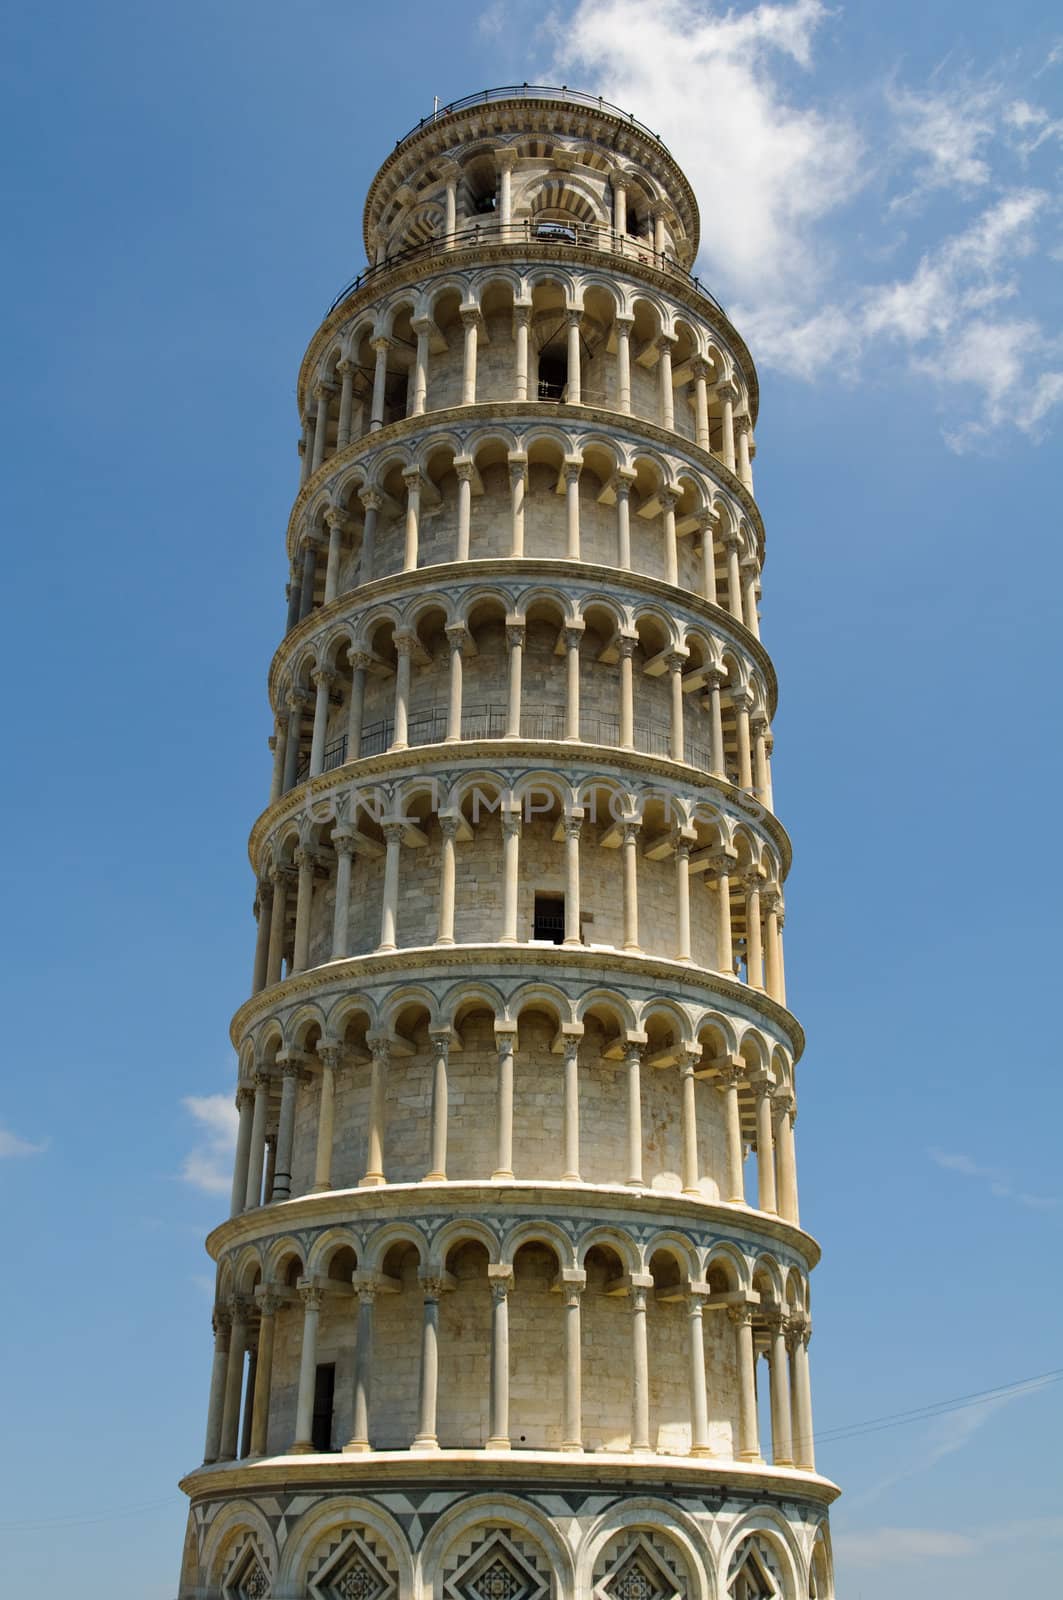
{"x": 879, "y": 192}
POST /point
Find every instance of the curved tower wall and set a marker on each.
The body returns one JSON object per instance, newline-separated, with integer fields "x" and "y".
{"x": 513, "y": 1297}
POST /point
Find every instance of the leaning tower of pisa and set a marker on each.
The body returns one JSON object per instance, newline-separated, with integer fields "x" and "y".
{"x": 512, "y": 1302}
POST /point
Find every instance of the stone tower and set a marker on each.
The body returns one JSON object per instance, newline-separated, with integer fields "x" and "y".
{"x": 514, "y": 1222}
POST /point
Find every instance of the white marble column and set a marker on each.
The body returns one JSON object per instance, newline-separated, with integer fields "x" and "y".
{"x": 218, "y": 1372}
{"x": 465, "y": 468}
{"x": 803, "y": 1439}
{"x": 744, "y": 430}
{"x": 782, "y": 1452}
{"x": 425, "y": 1438}
{"x": 234, "y": 1380}
{"x": 366, "y": 1290}
{"x": 574, "y": 392}
{"x": 422, "y": 327}
{"x": 321, "y": 394}
{"x": 668, "y": 499}
{"x": 500, "y": 1279}
{"x": 701, "y": 402}
{"x": 257, "y": 1157}
{"x": 437, "y": 1156}
{"x": 323, "y": 678}
{"x": 708, "y": 558}
{"x": 763, "y": 1088}
{"x": 413, "y": 481}
{"x": 457, "y": 636}
{"x": 518, "y": 483}
{"x": 699, "y": 1402}
{"x": 291, "y": 1072}
{"x": 245, "y": 1103}
{"x": 330, "y": 1054}
{"x": 633, "y": 1068}
{"x": 748, "y": 1441}
{"x": 630, "y": 848}
{"x": 784, "y": 1110}
{"x": 380, "y": 345}
{"x": 374, "y": 1158}
{"x": 359, "y": 660}
{"x": 404, "y": 645}
{"x": 727, "y": 394}
{"x": 510, "y": 874}
{"x": 373, "y": 502}
{"x": 312, "y": 1297}
{"x": 573, "y": 824}
{"x": 345, "y": 369}
{"x": 572, "y": 469}
{"x": 676, "y": 661}
{"x": 515, "y": 646}
{"x": 268, "y": 1305}
{"x": 343, "y": 840}
{"x": 754, "y": 942}
{"x": 337, "y": 523}
{"x": 393, "y": 832}
{"x": 573, "y": 1281}
{"x": 448, "y": 829}
{"x": 282, "y": 878}
{"x": 625, "y": 477}
{"x": 689, "y": 1056}
{"x": 641, "y": 1286}
{"x": 505, "y": 1046}
{"x": 521, "y": 325}
{"x": 264, "y": 909}
{"x": 623, "y": 326}
{"x": 570, "y": 1111}
{"x": 470, "y": 321}
{"x": 306, "y": 862}
{"x": 626, "y": 645}
{"x": 727, "y": 1080}
{"x": 682, "y": 895}
{"x": 741, "y": 700}
{"x": 666, "y": 395}
{"x": 573, "y": 638}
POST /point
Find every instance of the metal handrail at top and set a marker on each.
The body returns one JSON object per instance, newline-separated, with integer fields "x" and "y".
{"x": 532, "y": 91}
{"x": 530, "y": 232}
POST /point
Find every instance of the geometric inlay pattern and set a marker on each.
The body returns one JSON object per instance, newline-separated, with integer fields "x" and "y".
{"x": 497, "y": 1569}
{"x": 754, "y": 1578}
{"x": 352, "y": 1570}
{"x": 248, "y": 1578}
{"x": 638, "y": 1570}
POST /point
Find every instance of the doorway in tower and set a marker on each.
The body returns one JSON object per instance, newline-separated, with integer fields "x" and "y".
{"x": 553, "y": 373}
{"x": 549, "y": 918}
{"x": 324, "y": 1395}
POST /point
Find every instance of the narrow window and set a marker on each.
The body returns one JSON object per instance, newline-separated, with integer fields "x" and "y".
{"x": 632, "y": 222}
{"x": 553, "y": 374}
{"x": 324, "y": 1390}
{"x": 549, "y": 918}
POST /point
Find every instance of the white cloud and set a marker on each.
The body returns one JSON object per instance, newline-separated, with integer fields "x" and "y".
{"x": 208, "y": 1165}
{"x": 776, "y": 157}
{"x": 880, "y": 1547}
{"x": 1000, "y": 1185}
{"x": 12, "y": 1145}
{"x": 765, "y": 168}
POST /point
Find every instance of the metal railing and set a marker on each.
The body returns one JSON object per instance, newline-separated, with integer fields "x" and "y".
{"x": 531, "y": 91}
{"x": 485, "y": 231}
{"x": 489, "y": 721}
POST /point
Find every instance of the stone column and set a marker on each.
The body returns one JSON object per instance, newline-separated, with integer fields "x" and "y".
{"x": 218, "y": 1372}
{"x": 515, "y": 645}
{"x": 425, "y": 1438}
{"x": 404, "y": 643}
{"x": 748, "y": 579}
{"x": 271, "y": 1165}
{"x": 641, "y": 1285}
{"x": 658, "y": 234}
{"x": 521, "y": 324}
{"x": 682, "y": 896}
{"x": 734, "y": 576}
{"x": 249, "y": 1396}
{"x": 359, "y": 660}
{"x": 505, "y": 160}
{"x": 380, "y": 374}
{"x": 782, "y": 1453}
{"x": 374, "y": 1162}
{"x": 257, "y": 1157}
{"x": 245, "y": 1102}
{"x": 664, "y": 374}
{"x": 623, "y": 326}
{"x": 321, "y": 394}
{"x": 619, "y": 207}
{"x": 234, "y": 1380}
{"x": 699, "y": 1402}
{"x": 573, "y": 468}
{"x": 724, "y": 943}
{"x": 337, "y": 522}
{"x": 305, "y": 447}
{"x": 268, "y": 1306}
{"x": 784, "y": 1109}
{"x": 305, "y": 861}
{"x": 675, "y": 662}
{"x": 727, "y": 394}
{"x": 688, "y": 1107}
{"x": 312, "y": 1297}
{"x": 501, "y": 1281}
{"x": 761, "y": 778}
{"x": 627, "y": 645}
{"x": 505, "y": 1044}
{"x": 714, "y": 706}
{"x": 437, "y": 1158}
{"x": 323, "y": 681}
{"x": 518, "y": 482}
{"x": 344, "y": 843}
{"x": 572, "y": 825}
{"x": 573, "y": 638}
{"x": 754, "y": 944}
{"x": 668, "y": 498}
{"x": 326, "y": 1107}
{"x": 765, "y": 1145}
{"x": 744, "y": 429}
{"x": 366, "y": 1291}
{"x": 470, "y": 320}
{"x": 741, "y": 700}
{"x": 419, "y": 388}
{"x": 510, "y": 875}
{"x": 573, "y": 1283}
{"x": 279, "y": 745}
{"x": 633, "y": 1064}
{"x": 748, "y": 1443}
{"x": 456, "y": 637}
{"x": 372, "y": 501}
{"x": 708, "y": 559}
{"x": 291, "y": 1071}
{"x": 570, "y": 1111}
{"x": 346, "y": 371}
{"x": 727, "y": 1080}
{"x": 803, "y": 1440}
{"x": 465, "y": 468}
{"x": 630, "y": 848}
{"x": 701, "y": 402}
{"x": 574, "y": 392}
{"x": 772, "y": 964}
{"x": 412, "y": 479}
{"x": 291, "y": 747}
{"x": 448, "y": 826}
{"x": 393, "y": 832}
{"x": 450, "y": 208}
{"x": 624, "y": 479}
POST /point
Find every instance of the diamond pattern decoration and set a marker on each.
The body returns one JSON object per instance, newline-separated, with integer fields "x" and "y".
{"x": 496, "y": 1570}
{"x": 636, "y": 1570}
{"x": 248, "y": 1577}
{"x": 351, "y": 1570}
{"x": 357, "y": 1583}
{"x": 635, "y": 1581}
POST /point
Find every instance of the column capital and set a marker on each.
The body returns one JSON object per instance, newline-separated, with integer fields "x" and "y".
{"x": 268, "y": 1300}
{"x": 262, "y": 1079}
{"x": 405, "y": 641}
{"x": 572, "y": 633}
{"x": 457, "y": 635}
{"x": 323, "y": 675}
{"x": 413, "y": 477}
{"x": 675, "y": 660}
{"x": 359, "y": 659}
{"x": 344, "y": 842}
{"x": 441, "y": 1041}
{"x": 518, "y": 465}
{"x": 380, "y": 1048}
{"x": 573, "y": 466}
{"x": 627, "y": 644}
{"x": 505, "y": 1038}
{"x": 471, "y": 316}
{"x": 741, "y": 1315}
{"x": 221, "y": 1318}
{"x": 245, "y": 1095}
{"x": 449, "y": 823}
{"x": 515, "y": 632}
{"x": 336, "y": 517}
{"x": 380, "y": 342}
{"x": 701, "y": 366}
{"x": 331, "y": 1052}
{"x": 292, "y": 1065}
{"x": 623, "y": 324}
{"x": 282, "y": 875}
{"x": 744, "y": 424}
{"x": 394, "y": 832}
{"x": 465, "y": 468}
{"x": 323, "y": 390}
{"x": 344, "y": 366}
{"x": 239, "y": 1310}
{"x": 311, "y": 1294}
{"x": 434, "y": 1284}
{"x": 372, "y": 499}
{"x": 500, "y": 1279}
{"x": 726, "y": 391}
{"x": 303, "y": 856}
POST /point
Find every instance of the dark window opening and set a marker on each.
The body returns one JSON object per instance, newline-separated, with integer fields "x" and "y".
{"x": 633, "y": 222}
{"x": 549, "y": 918}
{"x": 324, "y": 1391}
{"x": 483, "y": 204}
{"x": 553, "y": 375}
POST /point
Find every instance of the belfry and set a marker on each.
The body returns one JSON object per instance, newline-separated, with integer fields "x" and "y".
{"x": 513, "y": 1299}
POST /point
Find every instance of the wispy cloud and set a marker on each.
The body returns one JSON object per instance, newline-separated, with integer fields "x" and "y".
{"x": 208, "y": 1165}
{"x": 780, "y": 163}
{"x": 1000, "y": 1185}
{"x": 11, "y": 1145}
{"x": 879, "y": 1547}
